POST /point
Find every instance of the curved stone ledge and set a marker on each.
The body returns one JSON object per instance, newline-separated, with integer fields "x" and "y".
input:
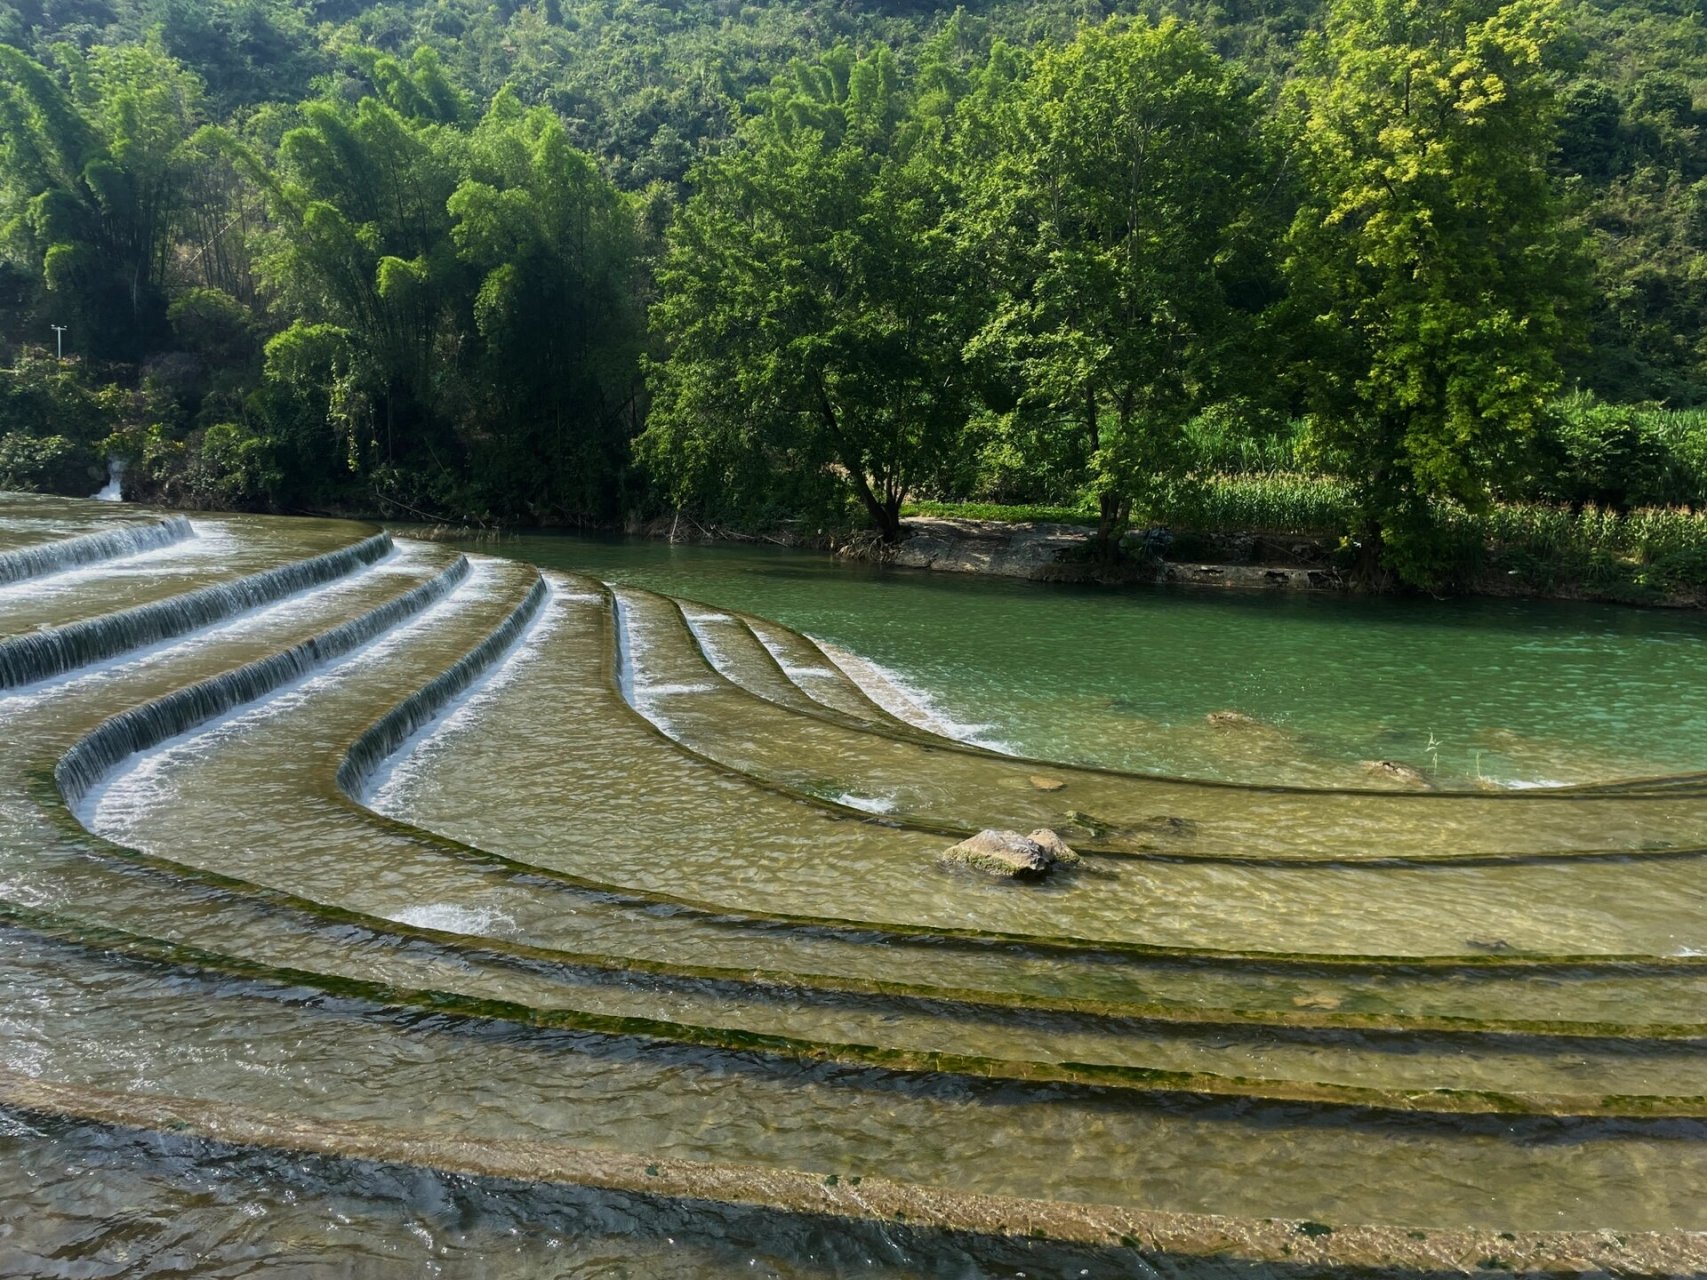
{"x": 46, "y": 558}
{"x": 387, "y": 734}
{"x": 54, "y": 651}
{"x": 1127, "y": 1239}
{"x": 1106, "y": 1079}
{"x": 151, "y": 723}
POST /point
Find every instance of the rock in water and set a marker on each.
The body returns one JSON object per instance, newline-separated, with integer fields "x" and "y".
{"x": 1393, "y": 771}
{"x": 1002, "y": 853}
{"x": 1053, "y": 845}
{"x": 1233, "y": 720}
{"x": 1045, "y": 783}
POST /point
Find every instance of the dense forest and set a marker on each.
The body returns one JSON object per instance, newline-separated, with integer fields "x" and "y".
{"x": 574, "y": 263}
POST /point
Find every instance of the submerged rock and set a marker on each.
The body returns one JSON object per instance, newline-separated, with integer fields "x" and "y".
{"x": 1043, "y": 783}
{"x": 1322, "y": 1000}
{"x": 1493, "y": 946}
{"x": 1009, "y": 854}
{"x": 1393, "y": 771}
{"x": 1165, "y": 825}
{"x": 1233, "y": 720}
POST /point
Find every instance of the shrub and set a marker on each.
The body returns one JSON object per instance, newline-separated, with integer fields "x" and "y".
{"x": 49, "y": 464}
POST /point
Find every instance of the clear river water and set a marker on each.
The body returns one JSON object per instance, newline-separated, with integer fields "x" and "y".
{"x": 572, "y": 907}
{"x": 1515, "y": 692}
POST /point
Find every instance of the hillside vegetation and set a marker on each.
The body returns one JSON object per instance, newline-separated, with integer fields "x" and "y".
{"x": 568, "y": 263}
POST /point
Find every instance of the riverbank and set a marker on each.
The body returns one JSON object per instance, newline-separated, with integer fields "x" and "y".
{"x": 1045, "y": 552}
{"x": 1261, "y": 561}
{"x": 1652, "y": 558}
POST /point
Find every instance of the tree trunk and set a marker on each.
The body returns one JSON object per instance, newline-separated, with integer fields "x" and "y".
{"x": 885, "y": 513}
{"x": 886, "y": 516}
{"x": 1369, "y": 573}
{"x": 1114, "y": 512}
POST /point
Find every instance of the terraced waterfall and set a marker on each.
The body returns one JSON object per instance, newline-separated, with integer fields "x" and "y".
{"x": 369, "y": 904}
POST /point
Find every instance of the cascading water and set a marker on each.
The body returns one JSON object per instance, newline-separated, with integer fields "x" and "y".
{"x": 113, "y": 489}
{"x": 55, "y": 650}
{"x": 92, "y": 548}
{"x": 629, "y": 953}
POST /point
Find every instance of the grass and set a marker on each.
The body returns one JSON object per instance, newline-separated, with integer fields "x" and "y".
{"x": 1644, "y": 555}
{"x": 1263, "y": 502}
{"x": 1081, "y": 515}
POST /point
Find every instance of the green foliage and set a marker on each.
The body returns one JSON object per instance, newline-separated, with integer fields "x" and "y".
{"x": 1117, "y": 212}
{"x": 40, "y": 396}
{"x": 810, "y": 304}
{"x": 1026, "y": 253}
{"x": 1273, "y": 502}
{"x": 1618, "y": 456}
{"x": 46, "y": 464}
{"x": 465, "y": 324}
{"x": 556, "y": 310}
{"x": 1011, "y": 513}
{"x": 92, "y": 185}
{"x": 231, "y": 468}
{"x": 1430, "y": 252}
{"x": 1237, "y": 437}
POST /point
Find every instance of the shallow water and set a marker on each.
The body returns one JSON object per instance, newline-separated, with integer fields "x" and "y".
{"x": 550, "y": 864}
{"x": 1513, "y": 691}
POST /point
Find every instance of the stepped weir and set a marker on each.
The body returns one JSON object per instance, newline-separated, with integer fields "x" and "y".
{"x": 362, "y": 870}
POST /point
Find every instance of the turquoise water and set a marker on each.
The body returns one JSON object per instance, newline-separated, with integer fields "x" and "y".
{"x": 1503, "y": 692}
{"x": 426, "y": 861}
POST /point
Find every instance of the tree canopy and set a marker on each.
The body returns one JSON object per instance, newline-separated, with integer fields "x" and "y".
{"x": 571, "y": 262}
{"x": 812, "y": 312}
{"x": 1430, "y": 253}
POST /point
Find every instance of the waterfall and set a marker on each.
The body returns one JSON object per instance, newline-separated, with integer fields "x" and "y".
{"x": 117, "y": 738}
{"x": 398, "y": 725}
{"x": 113, "y": 489}
{"x": 40, "y": 655}
{"x": 70, "y": 553}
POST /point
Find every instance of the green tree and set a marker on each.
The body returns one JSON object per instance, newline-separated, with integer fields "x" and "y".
{"x": 1431, "y": 256}
{"x": 810, "y": 302}
{"x": 361, "y": 260}
{"x": 1118, "y": 214}
{"x": 92, "y": 179}
{"x": 558, "y": 316}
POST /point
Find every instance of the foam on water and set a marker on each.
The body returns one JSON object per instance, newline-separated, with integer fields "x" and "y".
{"x": 907, "y": 701}
{"x": 624, "y": 651}
{"x": 403, "y": 558}
{"x": 656, "y": 692}
{"x": 113, "y": 489}
{"x": 865, "y": 804}
{"x": 28, "y": 658}
{"x": 387, "y": 787}
{"x": 791, "y": 669}
{"x": 144, "y": 780}
{"x": 714, "y": 649}
{"x": 64, "y": 555}
{"x": 449, "y": 917}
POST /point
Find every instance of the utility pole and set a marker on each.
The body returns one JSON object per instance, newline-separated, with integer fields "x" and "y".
{"x": 58, "y": 339}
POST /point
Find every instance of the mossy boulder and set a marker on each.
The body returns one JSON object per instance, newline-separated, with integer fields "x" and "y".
{"x": 1011, "y": 855}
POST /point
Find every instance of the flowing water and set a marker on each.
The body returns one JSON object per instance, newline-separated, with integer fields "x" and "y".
{"x": 373, "y": 907}
{"x": 1521, "y": 692}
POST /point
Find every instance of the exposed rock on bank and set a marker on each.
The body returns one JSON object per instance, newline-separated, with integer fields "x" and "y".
{"x": 1055, "y": 553}
{"x": 1034, "y": 551}
{"x": 1011, "y": 855}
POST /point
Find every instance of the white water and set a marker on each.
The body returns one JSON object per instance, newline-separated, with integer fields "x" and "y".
{"x": 906, "y": 701}
{"x": 117, "y": 804}
{"x": 112, "y": 490}
{"x": 387, "y": 788}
